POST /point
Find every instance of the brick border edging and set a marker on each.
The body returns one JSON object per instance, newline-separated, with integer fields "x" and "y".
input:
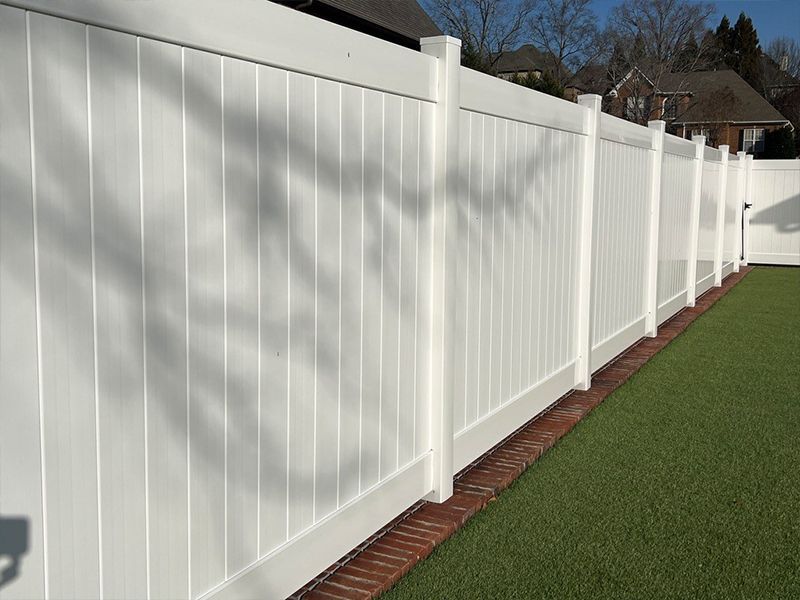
{"x": 379, "y": 562}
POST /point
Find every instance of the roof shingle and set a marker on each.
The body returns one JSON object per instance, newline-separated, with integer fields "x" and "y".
{"x": 405, "y": 17}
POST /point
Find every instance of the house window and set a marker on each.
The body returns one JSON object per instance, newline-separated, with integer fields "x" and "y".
{"x": 635, "y": 108}
{"x": 703, "y": 132}
{"x": 753, "y": 140}
{"x": 670, "y": 109}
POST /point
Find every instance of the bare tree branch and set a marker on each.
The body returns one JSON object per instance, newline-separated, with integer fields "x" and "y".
{"x": 786, "y": 54}
{"x": 486, "y": 28}
{"x": 567, "y": 30}
{"x": 654, "y": 38}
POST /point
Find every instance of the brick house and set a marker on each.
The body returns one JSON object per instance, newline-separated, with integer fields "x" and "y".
{"x": 717, "y": 104}
{"x": 720, "y": 105}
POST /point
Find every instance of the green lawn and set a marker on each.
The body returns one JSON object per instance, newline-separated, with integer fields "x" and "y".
{"x": 685, "y": 483}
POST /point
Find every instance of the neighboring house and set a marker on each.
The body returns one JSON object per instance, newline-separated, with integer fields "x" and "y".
{"x": 634, "y": 97}
{"x": 717, "y": 104}
{"x": 525, "y": 60}
{"x": 401, "y": 22}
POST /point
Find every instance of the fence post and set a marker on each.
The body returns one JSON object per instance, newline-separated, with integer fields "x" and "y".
{"x": 719, "y": 247}
{"x": 748, "y": 199}
{"x": 447, "y": 52}
{"x": 694, "y": 231}
{"x": 589, "y": 186}
{"x": 651, "y": 292}
{"x": 741, "y": 188}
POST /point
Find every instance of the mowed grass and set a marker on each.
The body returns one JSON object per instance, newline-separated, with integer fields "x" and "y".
{"x": 685, "y": 483}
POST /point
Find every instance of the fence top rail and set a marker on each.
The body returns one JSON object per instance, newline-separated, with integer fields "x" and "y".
{"x": 262, "y": 32}
{"x": 678, "y": 146}
{"x": 489, "y": 95}
{"x": 618, "y": 130}
{"x": 777, "y": 164}
{"x": 712, "y": 154}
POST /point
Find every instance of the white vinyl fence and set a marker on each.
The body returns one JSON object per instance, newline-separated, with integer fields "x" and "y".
{"x": 265, "y": 282}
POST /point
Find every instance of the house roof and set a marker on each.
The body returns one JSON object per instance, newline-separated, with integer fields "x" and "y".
{"x": 706, "y": 87}
{"x": 403, "y": 17}
{"x": 591, "y": 79}
{"x": 522, "y": 60}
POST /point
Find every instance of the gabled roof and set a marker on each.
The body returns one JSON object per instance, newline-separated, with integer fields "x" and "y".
{"x": 706, "y": 87}
{"x": 634, "y": 72}
{"x": 523, "y": 60}
{"x": 403, "y": 17}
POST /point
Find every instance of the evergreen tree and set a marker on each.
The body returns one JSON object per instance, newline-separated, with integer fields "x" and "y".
{"x": 746, "y": 52}
{"x": 713, "y": 55}
{"x": 617, "y": 64}
{"x": 688, "y": 57}
{"x": 547, "y": 83}
{"x": 472, "y": 58}
{"x": 724, "y": 41}
{"x": 779, "y": 144}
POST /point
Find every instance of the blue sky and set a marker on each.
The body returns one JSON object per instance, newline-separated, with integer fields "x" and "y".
{"x": 772, "y": 18}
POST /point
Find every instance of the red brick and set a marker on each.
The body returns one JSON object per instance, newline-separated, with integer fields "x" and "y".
{"x": 319, "y": 595}
{"x": 356, "y": 584}
{"x": 384, "y": 549}
{"x": 343, "y": 591}
{"x": 422, "y": 546}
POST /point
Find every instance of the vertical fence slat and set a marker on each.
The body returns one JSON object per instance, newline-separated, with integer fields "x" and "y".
{"x": 241, "y": 255}
{"x": 371, "y": 287}
{"x": 21, "y": 460}
{"x": 274, "y": 297}
{"x": 302, "y": 291}
{"x": 352, "y": 196}
{"x": 58, "y": 72}
{"x": 328, "y": 276}
{"x": 205, "y": 214}
{"x": 118, "y": 266}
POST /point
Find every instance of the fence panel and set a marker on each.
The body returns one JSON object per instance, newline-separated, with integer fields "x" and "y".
{"x": 674, "y": 225}
{"x": 518, "y": 258}
{"x": 774, "y": 222}
{"x": 707, "y": 232}
{"x": 231, "y": 307}
{"x": 621, "y": 230}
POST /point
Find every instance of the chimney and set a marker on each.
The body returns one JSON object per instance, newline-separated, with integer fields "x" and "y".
{"x": 784, "y": 64}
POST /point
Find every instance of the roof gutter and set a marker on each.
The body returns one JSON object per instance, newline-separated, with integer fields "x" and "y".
{"x": 750, "y": 122}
